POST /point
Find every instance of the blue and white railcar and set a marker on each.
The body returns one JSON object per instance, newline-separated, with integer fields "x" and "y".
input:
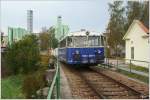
{"x": 82, "y": 47}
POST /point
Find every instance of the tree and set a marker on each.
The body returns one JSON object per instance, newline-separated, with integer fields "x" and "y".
{"x": 121, "y": 18}
{"x": 137, "y": 10}
{"x": 44, "y": 41}
{"x": 116, "y": 24}
{"x": 53, "y": 40}
{"x": 145, "y": 14}
{"x": 134, "y": 11}
{"x": 11, "y": 58}
{"x": 23, "y": 55}
{"x": 48, "y": 40}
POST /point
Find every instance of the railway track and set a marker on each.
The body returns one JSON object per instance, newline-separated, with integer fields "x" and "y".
{"x": 79, "y": 88}
{"x": 139, "y": 88}
{"x": 96, "y": 85}
{"x": 106, "y": 87}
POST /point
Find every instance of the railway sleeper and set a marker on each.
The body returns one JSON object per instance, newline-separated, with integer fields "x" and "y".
{"x": 123, "y": 97}
{"x": 113, "y": 89}
{"x": 105, "y": 86}
{"x": 108, "y": 86}
{"x": 101, "y": 82}
{"x": 108, "y": 83}
{"x": 112, "y": 93}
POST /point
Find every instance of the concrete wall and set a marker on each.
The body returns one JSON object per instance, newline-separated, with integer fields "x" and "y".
{"x": 140, "y": 44}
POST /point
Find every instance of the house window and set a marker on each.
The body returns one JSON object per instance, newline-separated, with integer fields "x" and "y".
{"x": 132, "y": 52}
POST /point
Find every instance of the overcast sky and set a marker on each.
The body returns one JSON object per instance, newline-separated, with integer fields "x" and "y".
{"x": 78, "y": 14}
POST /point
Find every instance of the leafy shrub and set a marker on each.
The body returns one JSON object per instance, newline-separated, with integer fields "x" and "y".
{"x": 32, "y": 83}
{"x": 22, "y": 56}
{"x": 5, "y": 71}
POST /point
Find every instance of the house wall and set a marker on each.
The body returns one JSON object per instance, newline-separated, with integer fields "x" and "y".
{"x": 140, "y": 44}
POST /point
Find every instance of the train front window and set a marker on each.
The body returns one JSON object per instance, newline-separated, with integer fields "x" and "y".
{"x": 81, "y": 41}
{"x": 93, "y": 41}
{"x": 96, "y": 41}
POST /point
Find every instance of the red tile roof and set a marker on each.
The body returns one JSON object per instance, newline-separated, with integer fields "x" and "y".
{"x": 143, "y": 27}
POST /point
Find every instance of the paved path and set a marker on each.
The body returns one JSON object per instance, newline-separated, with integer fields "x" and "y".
{"x": 125, "y": 67}
{"x": 65, "y": 92}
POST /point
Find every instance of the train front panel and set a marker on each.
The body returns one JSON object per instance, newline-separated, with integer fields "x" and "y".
{"x": 91, "y": 55}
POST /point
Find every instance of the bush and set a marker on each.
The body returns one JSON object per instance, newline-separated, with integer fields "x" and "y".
{"x": 22, "y": 56}
{"x": 32, "y": 83}
{"x": 5, "y": 71}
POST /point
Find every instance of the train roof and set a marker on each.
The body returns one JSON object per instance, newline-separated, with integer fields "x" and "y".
{"x": 83, "y": 33}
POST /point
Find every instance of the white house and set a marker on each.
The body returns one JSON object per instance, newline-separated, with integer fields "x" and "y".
{"x": 137, "y": 43}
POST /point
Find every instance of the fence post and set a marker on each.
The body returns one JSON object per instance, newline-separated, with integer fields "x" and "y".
{"x": 108, "y": 63}
{"x": 105, "y": 62}
{"x": 130, "y": 65}
{"x": 148, "y": 67}
{"x": 117, "y": 63}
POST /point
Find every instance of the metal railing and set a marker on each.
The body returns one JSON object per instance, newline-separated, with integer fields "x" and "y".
{"x": 130, "y": 65}
{"x": 55, "y": 85}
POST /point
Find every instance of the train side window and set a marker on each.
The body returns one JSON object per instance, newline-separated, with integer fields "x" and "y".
{"x": 69, "y": 41}
{"x": 99, "y": 40}
{"x": 91, "y": 41}
{"x": 102, "y": 41}
{"x": 94, "y": 41}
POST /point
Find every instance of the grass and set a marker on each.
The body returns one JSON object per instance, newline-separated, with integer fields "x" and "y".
{"x": 135, "y": 76}
{"x": 11, "y": 87}
{"x": 139, "y": 68}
